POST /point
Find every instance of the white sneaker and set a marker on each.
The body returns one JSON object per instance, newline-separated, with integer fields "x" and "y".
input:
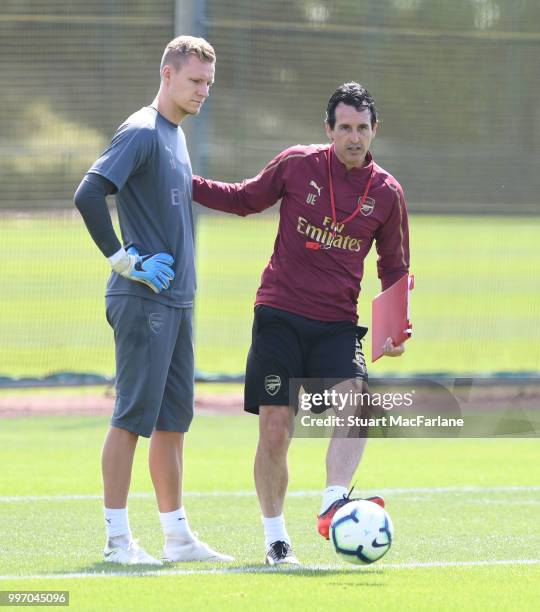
{"x": 132, "y": 555}
{"x": 177, "y": 549}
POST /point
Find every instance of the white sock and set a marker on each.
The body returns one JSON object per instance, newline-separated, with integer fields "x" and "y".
{"x": 274, "y": 530}
{"x": 332, "y": 494}
{"x": 117, "y": 526}
{"x": 175, "y": 524}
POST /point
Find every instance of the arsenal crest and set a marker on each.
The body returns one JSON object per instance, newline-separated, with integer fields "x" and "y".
{"x": 368, "y": 207}
{"x": 272, "y": 384}
{"x": 155, "y": 321}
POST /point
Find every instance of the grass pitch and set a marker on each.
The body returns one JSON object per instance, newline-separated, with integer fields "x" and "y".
{"x": 475, "y": 308}
{"x": 465, "y": 513}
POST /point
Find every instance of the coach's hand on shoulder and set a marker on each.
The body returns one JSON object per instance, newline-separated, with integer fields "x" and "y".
{"x": 393, "y": 351}
{"x": 152, "y": 270}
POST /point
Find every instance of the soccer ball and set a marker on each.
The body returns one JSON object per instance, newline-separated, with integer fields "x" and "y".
{"x": 362, "y": 532}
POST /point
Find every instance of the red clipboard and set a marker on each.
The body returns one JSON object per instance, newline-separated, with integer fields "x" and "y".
{"x": 390, "y": 316}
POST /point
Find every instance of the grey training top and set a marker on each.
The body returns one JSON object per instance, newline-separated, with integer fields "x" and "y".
{"x": 148, "y": 162}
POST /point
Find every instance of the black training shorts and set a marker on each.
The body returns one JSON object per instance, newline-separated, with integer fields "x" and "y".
{"x": 285, "y": 345}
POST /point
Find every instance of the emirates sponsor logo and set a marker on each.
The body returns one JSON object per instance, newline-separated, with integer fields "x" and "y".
{"x": 328, "y": 236}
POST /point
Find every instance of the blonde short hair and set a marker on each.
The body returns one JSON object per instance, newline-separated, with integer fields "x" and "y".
{"x": 180, "y": 47}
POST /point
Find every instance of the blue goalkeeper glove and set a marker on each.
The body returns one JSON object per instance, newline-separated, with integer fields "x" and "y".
{"x": 152, "y": 270}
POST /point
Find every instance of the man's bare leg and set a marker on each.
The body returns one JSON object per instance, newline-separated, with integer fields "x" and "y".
{"x": 347, "y": 445}
{"x": 271, "y": 473}
{"x": 276, "y": 424}
{"x": 166, "y": 466}
{"x": 344, "y": 453}
{"x": 342, "y": 459}
{"x": 166, "y": 469}
{"x": 116, "y": 464}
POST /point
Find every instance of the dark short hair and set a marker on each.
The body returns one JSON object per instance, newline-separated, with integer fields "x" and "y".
{"x": 352, "y": 94}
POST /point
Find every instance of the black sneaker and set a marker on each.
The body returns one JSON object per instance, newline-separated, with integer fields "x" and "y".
{"x": 280, "y": 552}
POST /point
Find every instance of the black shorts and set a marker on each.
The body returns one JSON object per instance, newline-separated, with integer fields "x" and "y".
{"x": 285, "y": 346}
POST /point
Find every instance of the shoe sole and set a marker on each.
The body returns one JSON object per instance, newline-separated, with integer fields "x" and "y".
{"x": 284, "y": 562}
{"x": 127, "y": 563}
{"x": 208, "y": 560}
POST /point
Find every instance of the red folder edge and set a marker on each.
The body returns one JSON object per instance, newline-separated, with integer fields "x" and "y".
{"x": 390, "y": 316}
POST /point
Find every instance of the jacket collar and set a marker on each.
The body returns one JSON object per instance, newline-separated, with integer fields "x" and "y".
{"x": 339, "y": 169}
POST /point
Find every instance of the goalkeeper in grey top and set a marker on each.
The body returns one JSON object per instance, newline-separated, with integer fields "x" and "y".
{"x": 149, "y": 298}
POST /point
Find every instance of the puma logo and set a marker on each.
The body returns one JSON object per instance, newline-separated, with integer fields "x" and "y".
{"x": 314, "y": 184}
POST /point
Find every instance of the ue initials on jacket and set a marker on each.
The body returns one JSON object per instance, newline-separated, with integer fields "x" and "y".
{"x": 317, "y": 267}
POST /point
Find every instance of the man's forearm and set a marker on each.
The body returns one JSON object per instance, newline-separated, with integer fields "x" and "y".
{"x": 245, "y": 198}
{"x": 90, "y": 200}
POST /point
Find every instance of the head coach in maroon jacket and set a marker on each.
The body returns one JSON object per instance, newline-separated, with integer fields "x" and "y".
{"x": 336, "y": 201}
